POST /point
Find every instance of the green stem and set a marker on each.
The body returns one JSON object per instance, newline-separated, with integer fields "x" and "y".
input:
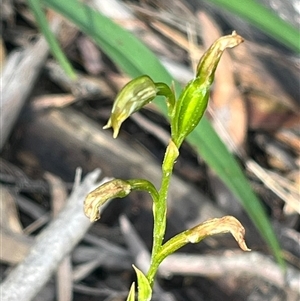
{"x": 145, "y": 185}
{"x": 166, "y": 91}
{"x": 160, "y": 209}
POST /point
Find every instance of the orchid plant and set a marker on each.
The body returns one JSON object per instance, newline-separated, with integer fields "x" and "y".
{"x": 184, "y": 114}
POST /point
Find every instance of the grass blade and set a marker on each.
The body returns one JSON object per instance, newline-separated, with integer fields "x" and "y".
{"x": 35, "y": 6}
{"x": 264, "y": 19}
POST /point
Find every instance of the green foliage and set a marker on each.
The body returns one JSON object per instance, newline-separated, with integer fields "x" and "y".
{"x": 144, "y": 287}
{"x": 35, "y": 6}
{"x": 131, "y": 294}
{"x": 264, "y": 19}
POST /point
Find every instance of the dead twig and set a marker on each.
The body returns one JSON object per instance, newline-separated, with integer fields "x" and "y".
{"x": 51, "y": 246}
{"x": 252, "y": 263}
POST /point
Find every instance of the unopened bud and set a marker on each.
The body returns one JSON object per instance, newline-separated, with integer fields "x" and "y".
{"x": 193, "y": 100}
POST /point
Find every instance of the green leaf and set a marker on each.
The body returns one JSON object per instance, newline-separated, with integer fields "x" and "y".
{"x": 131, "y": 294}
{"x": 115, "y": 41}
{"x": 136, "y": 59}
{"x": 144, "y": 288}
{"x": 264, "y": 19}
{"x": 35, "y": 6}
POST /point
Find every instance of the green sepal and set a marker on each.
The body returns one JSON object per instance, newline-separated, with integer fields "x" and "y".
{"x": 189, "y": 110}
{"x": 209, "y": 61}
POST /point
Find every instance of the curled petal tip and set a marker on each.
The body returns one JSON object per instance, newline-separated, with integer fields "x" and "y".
{"x": 92, "y": 214}
{"x": 95, "y": 199}
{"x": 116, "y": 133}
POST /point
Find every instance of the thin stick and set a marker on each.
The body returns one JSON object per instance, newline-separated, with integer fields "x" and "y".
{"x": 51, "y": 246}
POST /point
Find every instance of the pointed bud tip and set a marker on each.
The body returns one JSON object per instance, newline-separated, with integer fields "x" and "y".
{"x": 239, "y": 39}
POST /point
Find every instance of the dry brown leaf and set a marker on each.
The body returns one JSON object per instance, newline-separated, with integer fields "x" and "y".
{"x": 177, "y": 37}
{"x": 14, "y": 247}
{"x": 269, "y": 104}
{"x": 91, "y": 55}
{"x": 64, "y": 280}
{"x": 2, "y": 53}
{"x": 290, "y": 138}
{"x": 9, "y": 216}
{"x": 267, "y": 114}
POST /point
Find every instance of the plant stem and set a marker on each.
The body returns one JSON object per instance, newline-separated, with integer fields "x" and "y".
{"x": 144, "y": 185}
{"x": 160, "y": 208}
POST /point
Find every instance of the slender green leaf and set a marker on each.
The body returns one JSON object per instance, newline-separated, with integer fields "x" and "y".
{"x": 35, "y": 6}
{"x": 136, "y": 59}
{"x": 114, "y": 40}
{"x": 131, "y": 294}
{"x": 144, "y": 288}
{"x": 264, "y": 19}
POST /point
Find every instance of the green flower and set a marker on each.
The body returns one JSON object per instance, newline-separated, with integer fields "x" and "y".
{"x": 135, "y": 95}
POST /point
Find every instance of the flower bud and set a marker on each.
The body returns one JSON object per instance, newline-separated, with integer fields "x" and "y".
{"x": 189, "y": 110}
{"x": 193, "y": 100}
{"x": 136, "y": 94}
